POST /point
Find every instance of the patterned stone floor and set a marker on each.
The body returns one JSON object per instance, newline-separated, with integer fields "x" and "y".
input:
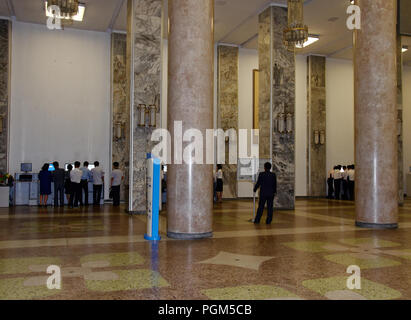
{"x": 304, "y": 254}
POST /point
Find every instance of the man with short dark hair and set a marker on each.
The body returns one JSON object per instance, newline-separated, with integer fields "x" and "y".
{"x": 267, "y": 183}
{"x": 116, "y": 179}
{"x": 58, "y": 177}
{"x": 84, "y": 183}
{"x": 75, "y": 177}
{"x": 98, "y": 180}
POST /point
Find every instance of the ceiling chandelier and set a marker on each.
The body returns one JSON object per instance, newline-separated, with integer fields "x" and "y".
{"x": 296, "y": 32}
{"x": 68, "y": 8}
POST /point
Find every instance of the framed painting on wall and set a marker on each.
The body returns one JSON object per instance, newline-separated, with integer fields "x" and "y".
{"x": 256, "y": 78}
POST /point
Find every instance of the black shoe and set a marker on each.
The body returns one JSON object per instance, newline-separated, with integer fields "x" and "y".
{"x": 256, "y": 222}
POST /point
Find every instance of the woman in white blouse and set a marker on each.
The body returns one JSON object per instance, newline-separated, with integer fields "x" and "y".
{"x": 219, "y": 183}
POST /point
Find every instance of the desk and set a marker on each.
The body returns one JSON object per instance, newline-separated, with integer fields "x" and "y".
{"x": 27, "y": 193}
{"x": 4, "y": 197}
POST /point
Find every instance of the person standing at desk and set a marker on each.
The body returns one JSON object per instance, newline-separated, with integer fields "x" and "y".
{"x": 84, "y": 183}
{"x": 337, "y": 182}
{"x": 68, "y": 190}
{"x": 98, "y": 180}
{"x": 267, "y": 181}
{"x": 116, "y": 179}
{"x": 351, "y": 182}
{"x": 330, "y": 182}
{"x": 58, "y": 176}
{"x": 45, "y": 184}
{"x": 75, "y": 178}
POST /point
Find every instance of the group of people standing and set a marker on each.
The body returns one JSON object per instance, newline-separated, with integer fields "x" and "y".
{"x": 341, "y": 183}
{"x": 74, "y": 181}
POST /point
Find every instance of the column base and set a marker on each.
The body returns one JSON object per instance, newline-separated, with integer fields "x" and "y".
{"x": 376, "y": 225}
{"x": 189, "y": 236}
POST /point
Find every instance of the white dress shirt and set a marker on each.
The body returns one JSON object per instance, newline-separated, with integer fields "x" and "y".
{"x": 75, "y": 175}
{"x": 98, "y": 175}
{"x": 351, "y": 175}
{"x": 116, "y": 175}
{"x": 337, "y": 174}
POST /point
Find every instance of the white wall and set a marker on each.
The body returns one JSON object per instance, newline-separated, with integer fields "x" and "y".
{"x": 301, "y": 126}
{"x": 247, "y": 62}
{"x": 406, "y": 89}
{"x": 60, "y": 96}
{"x": 340, "y": 113}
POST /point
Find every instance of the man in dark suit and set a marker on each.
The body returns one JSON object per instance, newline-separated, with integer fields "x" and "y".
{"x": 58, "y": 176}
{"x": 267, "y": 181}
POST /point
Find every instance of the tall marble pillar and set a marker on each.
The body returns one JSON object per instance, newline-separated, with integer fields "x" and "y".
{"x": 120, "y": 110}
{"x": 227, "y": 110}
{"x": 4, "y": 92}
{"x": 277, "y": 103}
{"x": 190, "y": 102}
{"x": 144, "y": 71}
{"x": 376, "y": 133}
{"x": 400, "y": 123}
{"x": 316, "y": 127}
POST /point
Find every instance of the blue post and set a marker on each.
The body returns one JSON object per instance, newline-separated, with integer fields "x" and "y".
{"x": 155, "y": 189}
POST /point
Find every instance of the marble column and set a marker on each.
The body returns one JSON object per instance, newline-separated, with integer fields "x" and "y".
{"x": 190, "y": 100}
{"x": 120, "y": 112}
{"x": 277, "y": 103}
{"x": 144, "y": 71}
{"x": 400, "y": 123}
{"x": 4, "y": 92}
{"x": 227, "y": 110}
{"x": 316, "y": 127}
{"x": 376, "y": 133}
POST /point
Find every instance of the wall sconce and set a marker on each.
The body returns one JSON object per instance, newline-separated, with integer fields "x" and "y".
{"x": 141, "y": 115}
{"x": 290, "y": 122}
{"x": 147, "y": 115}
{"x": 281, "y": 123}
{"x": 322, "y": 137}
{"x": 285, "y": 123}
{"x": 319, "y": 137}
{"x": 153, "y": 115}
{"x": 119, "y": 130}
{"x": 316, "y": 137}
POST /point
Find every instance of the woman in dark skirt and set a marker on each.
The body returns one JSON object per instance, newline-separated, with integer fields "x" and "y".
{"x": 219, "y": 183}
{"x": 67, "y": 183}
{"x": 45, "y": 184}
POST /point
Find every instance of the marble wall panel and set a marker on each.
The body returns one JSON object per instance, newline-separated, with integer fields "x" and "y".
{"x": 316, "y": 126}
{"x": 4, "y": 92}
{"x": 400, "y": 122}
{"x": 264, "y": 58}
{"x": 120, "y": 108}
{"x": 227, "y": 114}
{"x": 282, "y": 79}
{"x": 145, "y": 37}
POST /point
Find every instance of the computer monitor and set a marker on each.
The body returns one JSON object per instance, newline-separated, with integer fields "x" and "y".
{"x": 26, "y": 167}
{"x": 51, "y": 167}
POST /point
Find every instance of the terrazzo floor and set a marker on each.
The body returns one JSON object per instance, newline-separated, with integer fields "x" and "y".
{"x": 304, "y": 254}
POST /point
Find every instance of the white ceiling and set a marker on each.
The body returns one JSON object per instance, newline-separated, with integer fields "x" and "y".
{"x": 236, "y": 21}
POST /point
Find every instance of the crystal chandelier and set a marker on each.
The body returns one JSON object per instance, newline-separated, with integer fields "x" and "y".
{"x": 296, "y": 33}
{"x": 68, "y": 8}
